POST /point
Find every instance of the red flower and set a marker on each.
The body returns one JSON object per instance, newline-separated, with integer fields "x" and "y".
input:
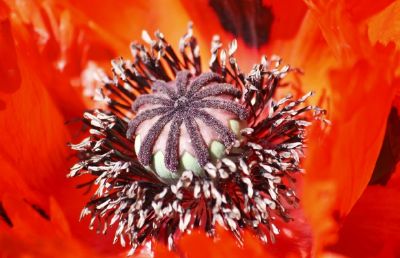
{"x": 347, "y": 49}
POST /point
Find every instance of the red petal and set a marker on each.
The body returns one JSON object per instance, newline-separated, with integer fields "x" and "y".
{"x": 33, "y": 151}
{"x": 33, "y": 134}
{"x": 197, "y": 245}
{"x": 359, "y": 80}
{"x": 34, "y": 42}
{"x": 234, "y": 19}
{"x": 287, "y": 19}
{"x": 372, "y": 228}
{"x": 119, "y": 23}
{"x": 34, "y": 236}
{"x": 289, "y": 16}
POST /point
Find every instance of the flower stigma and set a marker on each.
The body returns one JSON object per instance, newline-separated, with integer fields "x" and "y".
{"x": 183, "y": 103}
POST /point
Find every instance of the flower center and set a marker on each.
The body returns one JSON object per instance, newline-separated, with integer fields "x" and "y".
{"x": 181, "y": 103}
{"x": 184, "y": 124}
{"x": 150, "y": 186}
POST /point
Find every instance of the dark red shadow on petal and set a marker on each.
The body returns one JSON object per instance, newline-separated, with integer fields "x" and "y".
{"x": 249, "y": 20}
{"x": 257, "y": 22}
{"x": 372, "y": 228}
{"x": 389, "y": 155}
{"x": 4, "y": 216}
{"x": 44, "y": 214}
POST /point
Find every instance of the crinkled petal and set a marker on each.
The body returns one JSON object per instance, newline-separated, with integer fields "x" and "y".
{"x": 358, "y": 82}
{"x": 33, "y": 154}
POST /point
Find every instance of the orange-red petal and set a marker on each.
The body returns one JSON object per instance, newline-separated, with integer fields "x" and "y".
{"x": 359, "y": 80}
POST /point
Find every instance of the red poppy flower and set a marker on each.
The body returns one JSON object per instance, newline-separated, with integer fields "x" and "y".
{"x": 51, "y": 52}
